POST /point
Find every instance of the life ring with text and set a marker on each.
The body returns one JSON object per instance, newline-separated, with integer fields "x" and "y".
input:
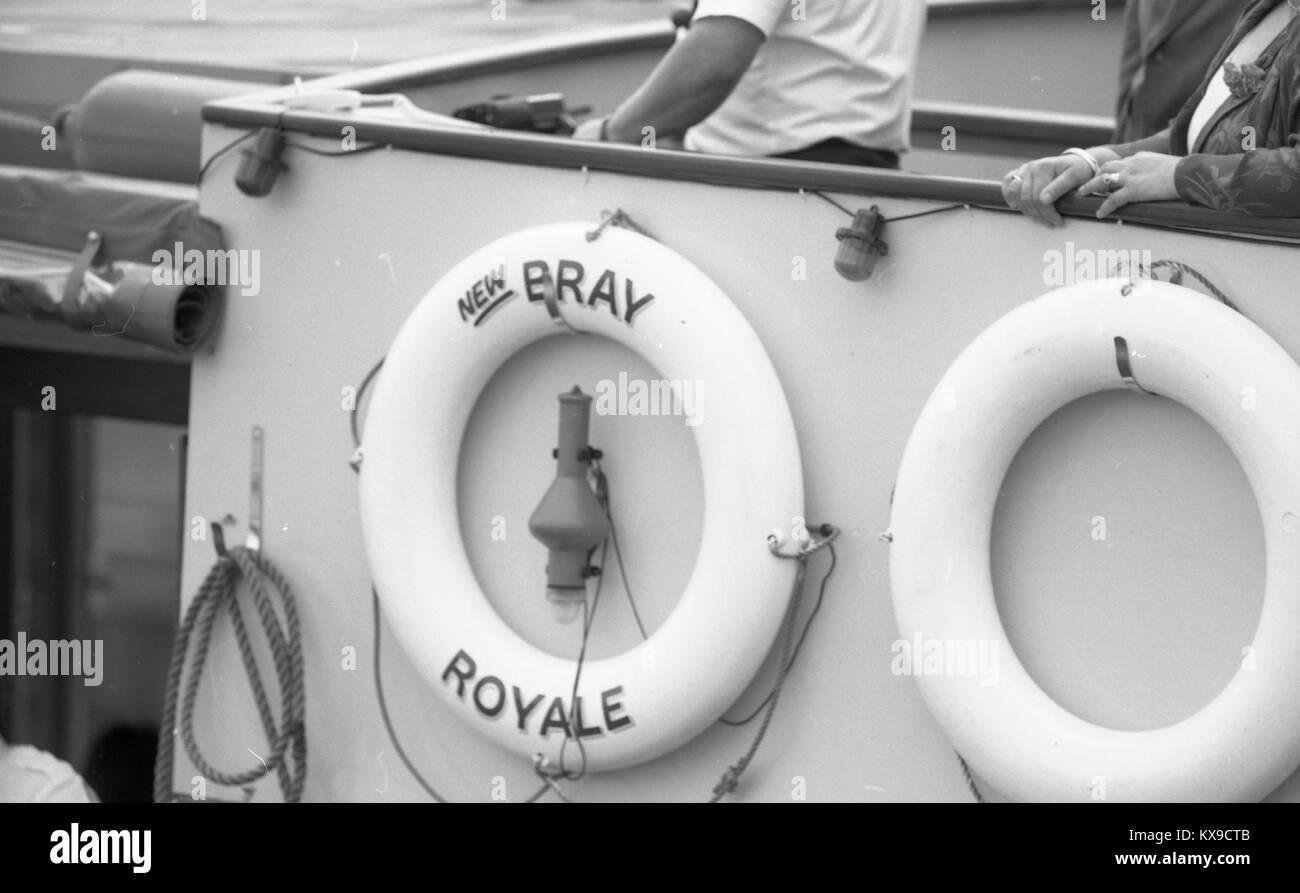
{"x": 632, "y": 707}
{"x": 1171, "y": 341}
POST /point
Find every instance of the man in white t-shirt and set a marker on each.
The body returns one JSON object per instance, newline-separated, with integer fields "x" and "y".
{"x": 819, "y": 80}
{"x": 28, "y": 775}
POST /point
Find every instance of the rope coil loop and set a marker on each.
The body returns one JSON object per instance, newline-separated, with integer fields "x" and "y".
{"x": 288, "y": 739}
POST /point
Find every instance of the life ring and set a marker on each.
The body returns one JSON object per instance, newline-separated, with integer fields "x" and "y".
{"x": 632, "y": 707}
{"x": 1038, "y": 358}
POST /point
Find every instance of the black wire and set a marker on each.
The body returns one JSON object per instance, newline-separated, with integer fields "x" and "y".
{"x": 233, "y": 143}
{"x": 379, "y": 679}
{"x": 826, "y": 198}
{"x": 388, "y": 722}
{"x": 588, "y": 617}
{"x": 222, "y": 151}
{"x": 821, "y": 594}
{"x": 970, "y": 779}
{"x": 383, "y": 708}
{"x": 618, "y": 553}
{"x": 943, "y": 210}
{"x": 368, "y": 148}
{"x": 365, "y": 383}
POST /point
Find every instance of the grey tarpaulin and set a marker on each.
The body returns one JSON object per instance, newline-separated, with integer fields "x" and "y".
{"x": 134, "y": 219}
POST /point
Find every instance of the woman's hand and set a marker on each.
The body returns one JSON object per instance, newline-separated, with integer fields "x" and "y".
{"x": 1144, "y": 177}
{"x": 1035, "y": 188}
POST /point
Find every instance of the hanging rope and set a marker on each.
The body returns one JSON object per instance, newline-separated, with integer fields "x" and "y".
{"x": 731, "y": 778}
{"x": 970, "y": 780}
{"x": 288, "y": 740}
{"x": 1178, "y": 268}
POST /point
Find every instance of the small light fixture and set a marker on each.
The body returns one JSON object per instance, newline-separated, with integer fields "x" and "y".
{"x": 860, "y": 245}
{"x": 260, "y": 163}
{"x": 570, "y": 521}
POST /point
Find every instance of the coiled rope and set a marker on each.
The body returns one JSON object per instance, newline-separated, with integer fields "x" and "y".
{"x": 288, "y": 756}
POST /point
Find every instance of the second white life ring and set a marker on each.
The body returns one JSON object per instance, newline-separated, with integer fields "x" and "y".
{"x": 1041, "y": 356}
{"x": 638, "y": 705}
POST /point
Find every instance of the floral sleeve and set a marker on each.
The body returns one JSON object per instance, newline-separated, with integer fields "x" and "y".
{"x": 1264, "y": 182}
{"x": 1159, "y": 142}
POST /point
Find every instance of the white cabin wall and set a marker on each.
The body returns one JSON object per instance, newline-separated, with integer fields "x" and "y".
{"x": 350, "y": 245}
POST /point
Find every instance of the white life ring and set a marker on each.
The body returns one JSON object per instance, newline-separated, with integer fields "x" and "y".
{"x": 1038, "y": 358}
{"x": 640, "y": 704}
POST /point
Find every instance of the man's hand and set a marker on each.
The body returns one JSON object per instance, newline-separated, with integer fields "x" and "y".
{"x": 1144, "y": 177}
{"x": 590, "y": 130}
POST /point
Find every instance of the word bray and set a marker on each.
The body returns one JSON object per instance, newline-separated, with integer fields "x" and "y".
{"x": 571, "y": 276}
{"x": 570, "y": 284}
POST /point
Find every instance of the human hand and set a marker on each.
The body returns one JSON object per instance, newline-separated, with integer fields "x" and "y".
{"x": 591, "y": 130}
{"x": 1144, "y": 177}
{"x": 1034, "y": 188}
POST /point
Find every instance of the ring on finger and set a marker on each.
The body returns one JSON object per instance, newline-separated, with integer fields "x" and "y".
{"x": 1111, "y": 182}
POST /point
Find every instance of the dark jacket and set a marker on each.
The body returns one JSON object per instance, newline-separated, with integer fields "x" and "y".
{"x": 1222, "y": 170}
{"x": 1168, "y": 45}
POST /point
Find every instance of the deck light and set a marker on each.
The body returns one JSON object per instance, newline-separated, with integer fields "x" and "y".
{"x": 570, "y": 521}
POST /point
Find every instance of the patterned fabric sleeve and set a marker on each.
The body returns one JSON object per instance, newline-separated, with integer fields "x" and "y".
{"x": 1263, "y": 183}
{"x": 1160, "y": 142}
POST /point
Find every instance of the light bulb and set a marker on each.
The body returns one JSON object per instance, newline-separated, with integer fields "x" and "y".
{"x": 566, "y": 604}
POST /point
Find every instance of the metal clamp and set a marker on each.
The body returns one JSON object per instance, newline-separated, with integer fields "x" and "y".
{"x": 254, "y": 541}
{"x": 551, "y": 297}
{"x": 618, "y": 218}
{"x": 71, "y": 303}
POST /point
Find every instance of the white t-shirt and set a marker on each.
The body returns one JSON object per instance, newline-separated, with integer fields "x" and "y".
{"x": 828, "y": 68}
{"x": 1250, "y": 48}
{"x": 28, "y": 775}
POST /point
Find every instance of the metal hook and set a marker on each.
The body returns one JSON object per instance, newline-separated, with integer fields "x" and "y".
{"x": 1125, "y": 367}
{"x": 255, "y": 483}
{"x": 254, "y": 541}
{"x": 551, "y": 298}
{"x": 219, "y": 539}
{"x": 618, "y": 218}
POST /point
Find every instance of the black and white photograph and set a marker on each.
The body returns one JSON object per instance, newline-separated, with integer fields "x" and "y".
{"x": 892, "y": 404}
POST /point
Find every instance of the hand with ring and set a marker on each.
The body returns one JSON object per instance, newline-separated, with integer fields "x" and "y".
{"x": 1035, "y": 188}
{"x": 1144, "y": 177}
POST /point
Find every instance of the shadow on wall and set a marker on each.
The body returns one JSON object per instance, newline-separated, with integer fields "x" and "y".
{"x": 120, "y": 766}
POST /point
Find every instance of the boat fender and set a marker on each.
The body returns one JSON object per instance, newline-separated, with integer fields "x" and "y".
{"x": 145, "y": 124}
{"x": 632, "y": 707}
{"x": 1035, "y": 360}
